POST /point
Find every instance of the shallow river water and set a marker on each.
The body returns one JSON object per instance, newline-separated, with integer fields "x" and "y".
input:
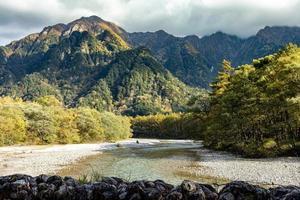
{"x": 170, "y": 160}
{"x": 176, "y": 160}
{"x": 166, "y": 160}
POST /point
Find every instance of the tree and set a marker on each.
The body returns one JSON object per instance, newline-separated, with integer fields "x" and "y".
{"x": 89, "y": 124}
{"x": 34, "y": 86}
{"x": 41, "y": 124}
{"x": 115, "y": 127}
{"x": 48, "y": 100}
{"x": 222, "y": 80}
{"x": 12, "y": 125}
{"x": 67, "y": 131}
{"x": 99, "y": 98}
{"x": 254, "y": 108}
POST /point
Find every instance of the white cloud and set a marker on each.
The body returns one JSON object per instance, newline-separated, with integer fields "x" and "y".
{"x": 179, "y": 17}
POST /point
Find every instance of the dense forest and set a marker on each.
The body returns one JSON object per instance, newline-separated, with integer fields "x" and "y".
{"x": 46, "y": 121}
{"x": 255, "y": 109}
{"x": 170, "y": 126}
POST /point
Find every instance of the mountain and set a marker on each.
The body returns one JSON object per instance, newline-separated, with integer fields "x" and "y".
{"x": 196, "y": 61}
{"x": 89, "y": 62}
{"x": 92, "y": 62}
{"x": 178, "y": 55}
{"x": 267, "y": 41}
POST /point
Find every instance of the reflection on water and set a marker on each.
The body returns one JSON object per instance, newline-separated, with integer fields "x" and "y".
{"x": 166, "y": 160}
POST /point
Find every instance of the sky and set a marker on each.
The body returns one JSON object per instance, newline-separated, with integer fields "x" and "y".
{"x": 243, "y": 18}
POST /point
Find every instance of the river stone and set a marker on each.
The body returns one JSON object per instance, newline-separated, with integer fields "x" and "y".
{"x": 55, "y": 180}
{"x": 18, "y": 186}
{"x": 41, "y": 178}
{"x": 135, "y": 196}
{"x": 188, "y": 186}
{"x": 175, "y": 196}
{"x": 104, "y": 191}
{"x": 69, "y": 181}
{"x": 42, "y": 186}
{"x": 227, "y": 196}
{"x": 242, "y": 190}
{"x": 209, "y": 191}
{"x": 136, "y": 187}
{"x": 110, "y": 180}
{"x": 83, "y": 192}
{"x": 152, "y": 194}
{"x": 294, "y": 195}
{"x": 47, "y": 192}
{"x": 150, "y": 184}
{"x": 287, "y": 193}
{"x": 123, "y": 195}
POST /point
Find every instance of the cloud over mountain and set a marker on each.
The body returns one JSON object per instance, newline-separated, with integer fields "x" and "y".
{"x": 179, "y": 17}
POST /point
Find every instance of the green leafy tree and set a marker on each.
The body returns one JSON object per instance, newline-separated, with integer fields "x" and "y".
{"x": 49, "y": 100}
{"x": 89, "y": 124}
{"x": 115, "y": 127}
{"x": 41, "y": 124}
{"x": 12, "y": 125}
{"x": 254, "y": 109}
{"x": 67, "y": 131}
{"x": 99, "y": 98}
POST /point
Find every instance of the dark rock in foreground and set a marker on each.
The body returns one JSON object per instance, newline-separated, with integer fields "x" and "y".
{"x": 110, "y": 188}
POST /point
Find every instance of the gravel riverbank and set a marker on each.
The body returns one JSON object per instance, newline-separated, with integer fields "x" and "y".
{"x": 48, "y": 159}
{"x": 35, "y": 160}
{"x": 269, "y": 171}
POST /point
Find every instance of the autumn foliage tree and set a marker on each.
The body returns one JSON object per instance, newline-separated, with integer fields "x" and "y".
{"x": 47, "y": 121}
{"x": 255, "y": 108}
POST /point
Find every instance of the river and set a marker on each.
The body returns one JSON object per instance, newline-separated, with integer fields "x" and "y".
{"x": 170, "y": 160}
{"x": 167, "y": 160}
{"x": 177, "y": 160}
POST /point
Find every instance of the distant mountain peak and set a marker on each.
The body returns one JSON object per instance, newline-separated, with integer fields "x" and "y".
{"x": 279, "y": 34}
{"x": 220, "y": 34}
{"x": 89, "y": 21}
{"x": 92, "y": 18}
{"x": 56, "y": 29}
{"x": 162, "y": 32}
{"x": 190, "y": 58}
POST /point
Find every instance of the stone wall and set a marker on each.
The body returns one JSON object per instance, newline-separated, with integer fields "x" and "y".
{"x": 110, "y": 188}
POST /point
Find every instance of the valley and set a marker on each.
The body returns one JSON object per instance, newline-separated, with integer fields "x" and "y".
{"x": 89, "y": 110}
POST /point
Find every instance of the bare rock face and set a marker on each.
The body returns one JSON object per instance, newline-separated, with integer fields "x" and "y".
{"x": 43, "y": 187}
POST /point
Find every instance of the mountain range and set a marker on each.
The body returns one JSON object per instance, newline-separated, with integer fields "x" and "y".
{"x": 92, "y": 62}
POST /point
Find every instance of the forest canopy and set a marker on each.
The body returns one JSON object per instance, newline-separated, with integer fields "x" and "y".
{"x": 47, "y": 121}
{"x": 255, "y": 108}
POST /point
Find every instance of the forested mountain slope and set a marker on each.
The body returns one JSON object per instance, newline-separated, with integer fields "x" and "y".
{"x": 88, "y": 62}
{"x": 196, "y": 61}
{"x": 96, "y": 63}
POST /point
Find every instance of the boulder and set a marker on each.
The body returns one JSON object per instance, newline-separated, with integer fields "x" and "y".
{"x": 43, "y": 187}
{"x": 285, "y": 193}
{"x": 242, "y": 190}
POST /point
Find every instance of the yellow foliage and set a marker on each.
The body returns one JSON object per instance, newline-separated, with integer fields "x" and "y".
{"x": 47, "y": 121}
